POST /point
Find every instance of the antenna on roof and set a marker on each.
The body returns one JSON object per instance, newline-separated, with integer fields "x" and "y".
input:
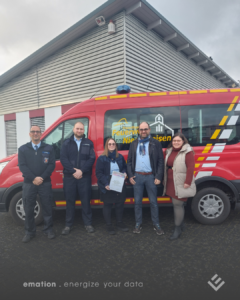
{"x": 100, "y": 89}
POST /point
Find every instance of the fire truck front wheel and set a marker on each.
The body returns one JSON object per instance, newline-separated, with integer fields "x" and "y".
{"x": 17, "y": 212}
{"x": 210, "y": 206}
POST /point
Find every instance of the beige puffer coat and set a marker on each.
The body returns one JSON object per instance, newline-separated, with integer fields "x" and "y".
{"x": 179, "y": 173}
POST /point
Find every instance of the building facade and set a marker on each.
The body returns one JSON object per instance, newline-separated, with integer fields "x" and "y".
{"x": 147, "y": 54}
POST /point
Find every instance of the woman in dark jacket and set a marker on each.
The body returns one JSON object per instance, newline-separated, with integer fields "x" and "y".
{"x": 108, "y": 162}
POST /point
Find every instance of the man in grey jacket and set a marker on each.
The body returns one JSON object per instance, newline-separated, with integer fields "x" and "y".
{"x": 145, "y": 167}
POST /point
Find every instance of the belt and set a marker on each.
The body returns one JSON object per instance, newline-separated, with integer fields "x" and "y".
{"x": 143, "y": 173}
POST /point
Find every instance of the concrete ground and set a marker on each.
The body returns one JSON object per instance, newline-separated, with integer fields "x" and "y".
{"x": 124, "y": 266}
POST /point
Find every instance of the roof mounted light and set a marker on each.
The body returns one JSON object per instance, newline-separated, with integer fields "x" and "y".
{"x": 111, "y": 27}
{"x": 123, "y": 89}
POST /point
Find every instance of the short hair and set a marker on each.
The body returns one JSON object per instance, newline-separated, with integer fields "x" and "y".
{"x": 144, "y": 122}
{"x": 77, "y": 123}
{"x": 36, "y": 126}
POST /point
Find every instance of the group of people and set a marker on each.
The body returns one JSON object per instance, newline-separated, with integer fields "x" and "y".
{"x": 145, "y": 168}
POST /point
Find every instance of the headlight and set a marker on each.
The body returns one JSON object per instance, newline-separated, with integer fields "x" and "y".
{"x": 2, "y": 165}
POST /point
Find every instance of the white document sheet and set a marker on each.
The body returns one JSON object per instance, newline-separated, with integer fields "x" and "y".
{"x": 117, "y": 181}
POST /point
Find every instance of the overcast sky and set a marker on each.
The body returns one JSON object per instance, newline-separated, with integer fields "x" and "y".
{"x": 212, "y": 25}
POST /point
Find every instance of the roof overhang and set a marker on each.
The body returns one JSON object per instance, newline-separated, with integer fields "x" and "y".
{"x": 140, "y": 9}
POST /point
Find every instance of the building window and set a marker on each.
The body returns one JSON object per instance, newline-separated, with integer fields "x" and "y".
{"x": 11, "y": 137}
{"x": 38, "y": 121}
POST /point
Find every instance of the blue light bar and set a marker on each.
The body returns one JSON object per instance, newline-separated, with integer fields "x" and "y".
{"x": 123, "y": 89}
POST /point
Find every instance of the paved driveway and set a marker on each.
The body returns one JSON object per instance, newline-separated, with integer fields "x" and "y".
{"x": 124, "y": 266}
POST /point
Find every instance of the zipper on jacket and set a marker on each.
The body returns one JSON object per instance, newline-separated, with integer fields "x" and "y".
{"x": 79, "y": 152}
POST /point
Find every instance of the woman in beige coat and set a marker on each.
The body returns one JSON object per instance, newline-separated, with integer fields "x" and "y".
{"x": 178, "y": 178}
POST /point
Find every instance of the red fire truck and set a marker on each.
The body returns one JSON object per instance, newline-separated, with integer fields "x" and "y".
{"x": 208, "y": 118}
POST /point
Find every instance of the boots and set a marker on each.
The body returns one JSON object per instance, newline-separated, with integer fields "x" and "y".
{"x": 176, "y": 234}
{"x": 183, "y": 226}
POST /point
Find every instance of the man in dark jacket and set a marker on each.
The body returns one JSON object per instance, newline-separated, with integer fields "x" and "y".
{"x": 145, "y": 167}
{"x": 36, "y": 161}
{"x": 77, "y": 157}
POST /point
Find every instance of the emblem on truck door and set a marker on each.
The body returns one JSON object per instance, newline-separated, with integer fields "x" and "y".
{"x": 124, "y": 132}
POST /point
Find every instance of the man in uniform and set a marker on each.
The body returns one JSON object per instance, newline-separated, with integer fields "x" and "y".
{"x": 77, "y": 157}
{"x": 145, "y": 168}
{"x": 36, "y": 161}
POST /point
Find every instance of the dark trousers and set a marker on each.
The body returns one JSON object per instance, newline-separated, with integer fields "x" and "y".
{"x": 82, "y": 186}
{"x": 30, "y": 192}
{"x": 107, "y": 210}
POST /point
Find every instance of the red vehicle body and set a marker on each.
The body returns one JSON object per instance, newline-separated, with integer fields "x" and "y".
{"x": 208, "y": 118}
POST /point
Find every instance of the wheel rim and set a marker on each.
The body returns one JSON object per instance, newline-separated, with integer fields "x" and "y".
{"x": 20, "y": 210}
{"x": 211, "y": 206}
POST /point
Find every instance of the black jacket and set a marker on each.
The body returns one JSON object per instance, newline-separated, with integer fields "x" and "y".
{"x": 156, "y": 158}
{"x": 103, "y": 170}
{"x": 71, "y": 158}
{"x": 32, "y": 163}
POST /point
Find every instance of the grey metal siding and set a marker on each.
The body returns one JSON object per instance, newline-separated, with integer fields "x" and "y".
{"x": 152, "y": 65}
{"x": 91, "y": 65}
{"x": 39, "y": 121}
{"x": 11, "y": 137}
{"x": 20, "y": 94}
{"x": 96, "y": 63}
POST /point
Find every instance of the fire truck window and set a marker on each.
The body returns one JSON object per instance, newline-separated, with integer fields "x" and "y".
{"x": 208, "y": 124}
{"x": 122, "y": 125}
{"x": 55, "y": 139}
{"x": 62, "y": 132}
{"x": 69, "y": 124}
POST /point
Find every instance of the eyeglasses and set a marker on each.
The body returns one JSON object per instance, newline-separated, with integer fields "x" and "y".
{"x": 35, "y": 131}
{"x": 144, "y": 129}
{"x": 111, "y": 144}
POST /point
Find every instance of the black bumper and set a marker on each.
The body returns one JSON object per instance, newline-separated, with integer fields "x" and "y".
{"x": 2, "y": 204}
{"x": 236, "y": 184}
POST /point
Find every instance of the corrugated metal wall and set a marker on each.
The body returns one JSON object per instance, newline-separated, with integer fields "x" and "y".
{"x": 20, "y": 94}
{"x": 39, "y": 121}
{"x": 152, "y": 65}
{"x": 91, "y": 65}
{"x": 11, "y": 137}
{"x": 95, "y": 65}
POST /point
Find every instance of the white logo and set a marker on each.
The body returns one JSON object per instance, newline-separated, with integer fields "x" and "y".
{"x": 160, "y": 126}
{"x": 213, "y": 283}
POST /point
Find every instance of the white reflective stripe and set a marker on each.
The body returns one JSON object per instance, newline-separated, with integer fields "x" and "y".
{"x": 203, "y": 174}
{"x": 226, "y": 134}
{"x": 233, "y": 120}
{"x": 209, "y": 165}
{"x": 213, "y": 158}
{"x": 218, "y": 148}
{"x": 237, "y": 107}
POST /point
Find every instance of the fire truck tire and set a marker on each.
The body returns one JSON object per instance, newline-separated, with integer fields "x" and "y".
{"x": 16, "y": 210}
{"x": 210, "y": 206}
